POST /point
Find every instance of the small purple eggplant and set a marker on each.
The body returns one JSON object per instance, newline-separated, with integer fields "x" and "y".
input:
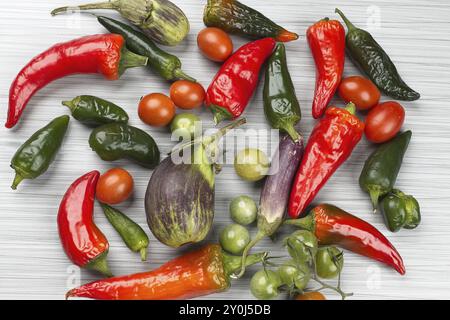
{"x": 275, "y": 192}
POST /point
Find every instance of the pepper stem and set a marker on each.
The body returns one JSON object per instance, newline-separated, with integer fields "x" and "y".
{"x": 220, "y": 114}
{"x": 69, "y": 104}
{"x": 100, "y": 264}
{"x": 350, "y": 26}
{"x": 374, "y": 196}
{"x": 260, "y": 235}
{"x": 351, "y": 108}
{"x": 143, "y": 253}
{"x": 179, "y": 74}
{"x": 90, "y": 6}
{"x": 18, "y": 178}
{"x": 232, "y": 264}
{"x": 129, "y": 59}
{"x": 306, "y": 223}
{"x": 290, "y": 130}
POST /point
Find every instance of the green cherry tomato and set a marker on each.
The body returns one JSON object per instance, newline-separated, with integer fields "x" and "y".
{"x": 264, "y": 284}
{"x": 243, "y": 210}
{"x": 329, "y": 262}
{"x": 303, "y": 276}
{"x": 185, "y": 125}
{"x": 302, "y": 246}
{"x": 293, "y": 274}
{"x": 234, "y": 238}
{"x": 251, "y": 164}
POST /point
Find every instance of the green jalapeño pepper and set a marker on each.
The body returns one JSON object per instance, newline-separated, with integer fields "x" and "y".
{"x": 382, "y": 167}
{"x": 35, "y": 156}
{"x": 132, "y": 234}
{"x": 165, "y": 64}
{"x": 116, "y": 141}
{"x": 400, "y": 211}
{"x": 281, "y": 105}
{"x": 94, "y": 111}
{"x": 370, "y": 57}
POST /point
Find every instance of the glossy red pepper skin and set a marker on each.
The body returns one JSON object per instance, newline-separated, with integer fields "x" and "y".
{"x": 334, "y": 226}
{"x": 331, "y": 142}
{"x": 83, "y": 242}
{"x": 194, "y": 274}
{"x": 91, "y": 54}
{"x": 326, "y": 40}
{"x": 233, "y": 86}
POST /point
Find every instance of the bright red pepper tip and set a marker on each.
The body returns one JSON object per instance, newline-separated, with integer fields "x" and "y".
{"x": 286, "y": 36}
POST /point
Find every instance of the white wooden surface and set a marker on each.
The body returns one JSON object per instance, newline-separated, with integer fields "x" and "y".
{"x": 415, "y": 33}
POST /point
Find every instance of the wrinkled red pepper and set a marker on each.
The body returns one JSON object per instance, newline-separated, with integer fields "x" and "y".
{"x": 334, "y": 226}
{"x": 234, "y": 84}
{"x": 83, "y": 242}
{"x": 326, "y": 40}
{"x": 104, "y": 54}
{"x": 331, "y": 142}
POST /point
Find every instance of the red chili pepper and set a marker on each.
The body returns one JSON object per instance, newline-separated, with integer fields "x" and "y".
{"x": 191, "y": 275}
{"x": 334, "y": 226}
{"x": 330, "y": 144}
{"x": 237, "y": 79}
{"x": 326, "y": 40}
{"x": 104, "y": 54}
{"x": 83, "y": 242}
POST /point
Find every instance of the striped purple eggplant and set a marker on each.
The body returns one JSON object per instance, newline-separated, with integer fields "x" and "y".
{"x": 275, "y": 192}
{"x": 179, "y": 202}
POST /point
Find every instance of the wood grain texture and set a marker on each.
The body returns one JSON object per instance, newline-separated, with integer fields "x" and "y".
{"x": 414, "y": 32}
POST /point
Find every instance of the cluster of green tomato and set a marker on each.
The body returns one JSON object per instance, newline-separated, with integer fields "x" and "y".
{"x": 307, "y": 260}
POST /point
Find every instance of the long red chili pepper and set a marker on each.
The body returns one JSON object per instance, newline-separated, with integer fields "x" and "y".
{"x": 334, "y": 226}
{"x": 191, "y": 275}
{"x": 104, "y": 54}
{"x": 237, "y": 79}
{"x": 83, "y": 242}
{"x": 330, "y": 144}
{"x": 326, "y": 40}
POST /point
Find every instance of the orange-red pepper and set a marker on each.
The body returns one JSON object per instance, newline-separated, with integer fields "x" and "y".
{"x": 191, "y": 275}
{"x": 331, "y": 142}
{"x": 103, "y": 53}
{"x": 326, "y": 40}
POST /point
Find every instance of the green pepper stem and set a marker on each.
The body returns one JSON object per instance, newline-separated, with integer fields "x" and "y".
{"x": 90, "y": 6}
{"x": 351, "y": 108}
{"x": 18, "y": 178}
{"x": 69, "y": 104}
{"x": 374, "y": 197}
{"x": 143, "y": 252}
{"x": 350, "y": 26}
{"x": 231, "y": 263}
{"x": 129, "y": 59}
{"x": 259, "y": 236}
{"x": 179, "y": 74}
{"x": 290, "y": 130}
{"x": 100, "y": 264}
{"x": 220, "y": 114}
{"x": 306, "y": 223}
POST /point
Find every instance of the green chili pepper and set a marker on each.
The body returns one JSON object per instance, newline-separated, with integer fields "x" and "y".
{"x": 382, "y": 167}
{"x": 370, "y": 57}
{"x": 132, "y": 234}
{"x": 165, "y": 64}
{"x": 35, "y": 156}
{"x": 400, "y": 211}
{"x": 116, "y": 141}
{"x": 281, "y": 105}
{"x": 94, "y": 111}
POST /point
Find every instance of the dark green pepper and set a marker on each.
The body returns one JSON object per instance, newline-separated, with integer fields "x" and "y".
{"x": 370, "y": 57}
{"x": 382, "y": 167}
{"x": 94, "y": 111}
{"x": 132, "y": 234}
{"x": 35, "y": 156}
{"x": 281, "y": 105}
{"x": 116, "y": 141}
{"x": 165, "y": 64}
{"x": 400, "y": 211}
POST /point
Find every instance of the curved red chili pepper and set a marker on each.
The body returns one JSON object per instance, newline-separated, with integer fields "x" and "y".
{"x": 103, "y": 53}
{"x": 331, "y": 142}
{"x": 334, "y": 226}
{"x": 83, "y": 242}
{"x": 233, "y": 86}
{"x": 326, "y": 40}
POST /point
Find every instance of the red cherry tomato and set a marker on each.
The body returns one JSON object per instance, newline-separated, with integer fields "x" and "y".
{"x": 156, "y": 110}
{"x": 384, "y": 121}
{"x": 187, "y": 95}
{"x": 215, "y": 44}
{"x": 114, "y": 186}
{"x": 361, "y": 91}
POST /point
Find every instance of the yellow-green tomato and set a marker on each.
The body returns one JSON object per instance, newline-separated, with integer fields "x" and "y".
{"x": 251, "y": 164}
{"x": 234, "y": 238}
{"x": 294, "y": 274}
{"x": 185, "y": 125}
{"x": 329, "y": 262}
{"x": 243, "y": 210}
{"x": 264, "y": 284}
